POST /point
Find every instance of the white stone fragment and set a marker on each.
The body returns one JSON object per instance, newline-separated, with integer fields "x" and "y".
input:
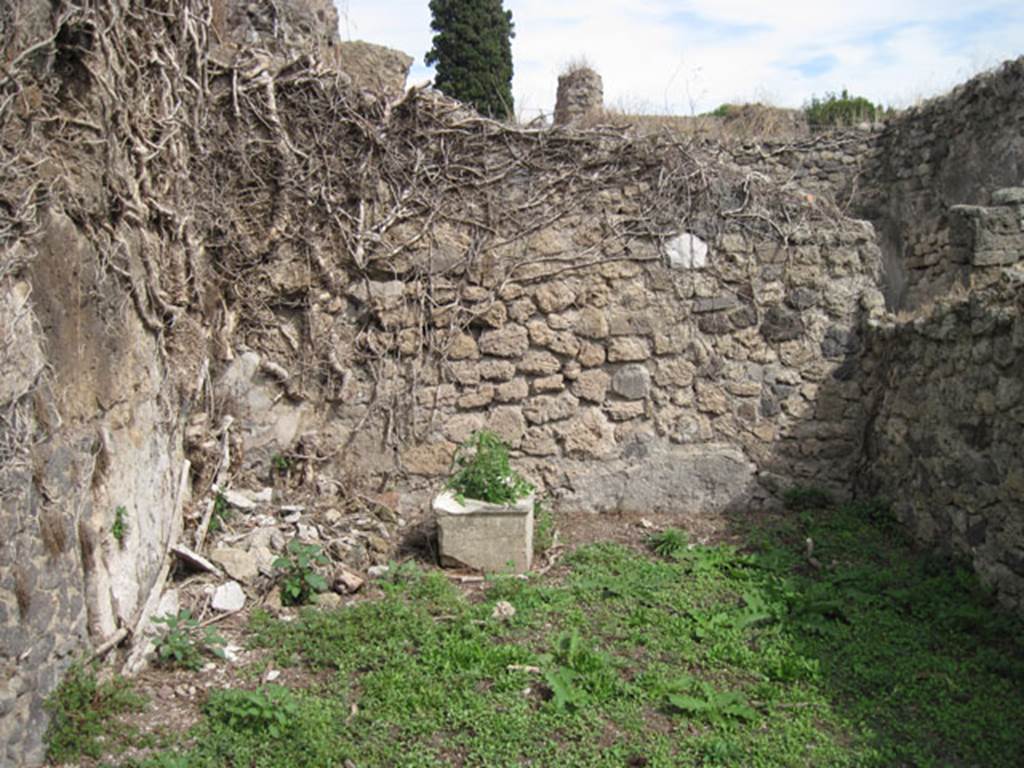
{"x": 239, "y": 500}
{"x": 228, "y": 597}
{"x": 686, "y": 251}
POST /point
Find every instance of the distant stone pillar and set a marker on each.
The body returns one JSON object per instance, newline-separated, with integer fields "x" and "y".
{"x": 580, "y": 92}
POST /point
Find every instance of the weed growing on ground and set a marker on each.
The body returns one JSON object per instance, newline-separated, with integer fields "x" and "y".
{"x": 80, "y": 710}
{"x": 482, "y": 471}
{"x": 669, "y": 543}
{"x": 120, "y": 527}
{"x": 280, "y": 464}
{"x": 272, "y": 709}
{"x": 300, "y": 581}
{"x": 184, "y": 643}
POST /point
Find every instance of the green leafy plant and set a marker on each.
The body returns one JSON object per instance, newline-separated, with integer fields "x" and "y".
{"x": 802, "y": 498}
{"x": 272, "y": 709}
{"x": 482, "y": 471}
{"x": 300, "y": 581}
{"x": 281, "y": 463}
{"x": 221, "y": 513}
{"x": 120, "y": 527}
{"x": 840, "y": 109}
{"x": 184, "y": 643}
{"x": 575, "y": 672}
{"x": 700, "y": 700}
{"x": 80, "y": 710}
{"x": 668, "y": 543}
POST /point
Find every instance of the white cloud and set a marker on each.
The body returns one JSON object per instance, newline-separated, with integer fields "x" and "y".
{"x": 691, "y": 55}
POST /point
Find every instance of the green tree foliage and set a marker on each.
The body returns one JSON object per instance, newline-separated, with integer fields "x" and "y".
{"x": 472, "y": 51}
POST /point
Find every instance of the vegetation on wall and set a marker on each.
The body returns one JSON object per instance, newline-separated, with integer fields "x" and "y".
{"x": 841, "y": 109}
{"x": 472, "y": 51}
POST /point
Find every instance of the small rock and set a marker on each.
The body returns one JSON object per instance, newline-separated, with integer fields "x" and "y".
{"x": 332, "y": 516}
{"x": 262, "y": 496}
{"x": 239, "y": 564}
{"x": 232, "y": 652}
{"x": 265, "y": 559}
{"x": 686, "y": 251}
{"x": 272, "y": 675}
{"x": 329, "y": 601}
{"x": 503, "y": 610}
{"x": 238, "y": 500}
{"x": 377, "y": 571}
{"x": 195, "y": 560}
{"x": 347, "y": 582}
{"x": 308, "y": 532}
{"x": 292, "y": 517}
{"x": 273, "y": 599}
{"x": 229, "y": 597}
{"x": 377, "y": 544}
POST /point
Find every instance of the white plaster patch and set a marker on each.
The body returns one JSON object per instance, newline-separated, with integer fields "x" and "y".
{"x": 686, "y": 251}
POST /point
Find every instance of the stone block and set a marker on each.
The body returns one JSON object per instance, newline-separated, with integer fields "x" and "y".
{"x": 591, "y": 355}
{"x": 628, "y": 349}
{"x": 496, "y": 370}
{"x": 508, "y": 423}
{"x": 545, "y": 408}
{"x": 591, "y": 323}
{"x": 555, "y": 383}
{"x": 540, "y": 363}
{"x": 554, "y": 297}
{"x": 592, "y": 385}
{"x": 487, "y": 537}
{"x": 463, "y": 347}
{"x": 239, "y": 564}
{"x": 632, "y": 382}
{"x": 478, "y": 398}
{"x": 686, "y": 251}
{"x": 589, "y": 435}
{"x": 510, "y": 341}
{"x": 459, "y": 428}
{"x": 512, "y": 391}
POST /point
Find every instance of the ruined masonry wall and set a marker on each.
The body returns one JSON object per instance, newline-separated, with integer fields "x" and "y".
{"x": 947, "y": 405}
{"x": 952, "y": 150}
{"x": 949, "y": 431}
{"x": 648, "y": 383}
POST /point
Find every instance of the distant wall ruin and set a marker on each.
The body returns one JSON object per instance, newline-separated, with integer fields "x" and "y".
{"x": 580, "y": 94}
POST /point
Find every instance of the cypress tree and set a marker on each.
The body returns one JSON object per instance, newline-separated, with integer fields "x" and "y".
{"x": 473, "y": 53}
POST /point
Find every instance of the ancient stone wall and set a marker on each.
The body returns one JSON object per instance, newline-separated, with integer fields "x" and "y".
{"x": 945, "y": 389}
{"x": 952, "y": 150}
{"x": 677, "y": 377}
{"x": 947, "y": 431}
{"x": 90, "y": 412}
{"x": 580, "y": 93}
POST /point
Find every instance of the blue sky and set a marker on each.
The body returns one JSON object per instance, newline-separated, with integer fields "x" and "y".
{"x": 684, "y": 57}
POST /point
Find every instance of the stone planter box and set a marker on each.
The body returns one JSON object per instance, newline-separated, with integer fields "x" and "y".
{"x": 488, "y": 537}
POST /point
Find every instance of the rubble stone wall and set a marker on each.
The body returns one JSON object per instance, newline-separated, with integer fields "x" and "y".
{"x": 948, "y": 431}
{"x": 946, "y": 394}
{"x": 680, "y": 376}
{"x": 952, "y": 150}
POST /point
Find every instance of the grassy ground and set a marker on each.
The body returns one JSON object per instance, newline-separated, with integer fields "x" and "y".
{"x": 871, "y": 655}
